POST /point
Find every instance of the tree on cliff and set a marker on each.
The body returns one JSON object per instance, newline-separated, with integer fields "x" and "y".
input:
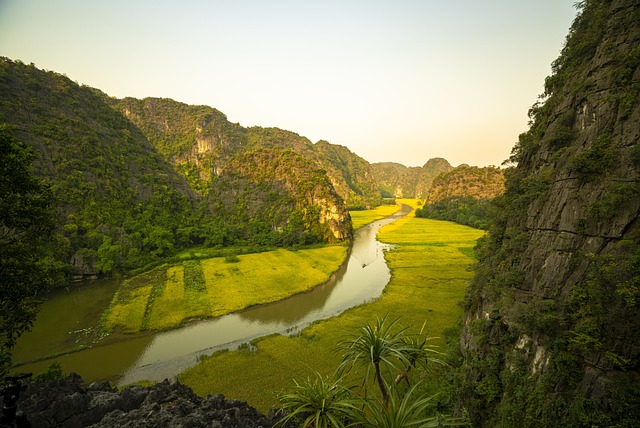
{"x": 25, "y": 226}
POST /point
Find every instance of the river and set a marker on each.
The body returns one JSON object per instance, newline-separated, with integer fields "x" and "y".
{"x": 69, "y": 319}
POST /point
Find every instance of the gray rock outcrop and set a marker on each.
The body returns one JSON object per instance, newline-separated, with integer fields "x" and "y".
{"x": 69, "y": 403}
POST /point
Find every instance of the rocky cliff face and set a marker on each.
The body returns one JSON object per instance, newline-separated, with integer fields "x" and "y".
{"x": 551, "y": 326}
{"x": 70, "y": 403}
{"x": 200, "y": 141}
{"x": 398, "y": 181}
{"x": 309, "y": 186}
{"x": 465, "y": 180}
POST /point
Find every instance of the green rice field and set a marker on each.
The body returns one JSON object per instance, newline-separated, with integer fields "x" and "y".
{"x": 167, "y": 297}
{"x": 430, "y": 268}
{"x": 361, "y": 218}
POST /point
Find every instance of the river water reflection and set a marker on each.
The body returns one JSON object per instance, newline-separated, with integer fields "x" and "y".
{"x": 156, "y": 356}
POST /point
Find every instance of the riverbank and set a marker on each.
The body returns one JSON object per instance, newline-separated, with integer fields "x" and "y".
{"x": 430, "y": 274}
{"x": 172, "y": 295}
{"x": 166, "y": 298}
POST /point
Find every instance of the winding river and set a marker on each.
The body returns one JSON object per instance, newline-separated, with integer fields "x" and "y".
{"x": 69, "y": 319}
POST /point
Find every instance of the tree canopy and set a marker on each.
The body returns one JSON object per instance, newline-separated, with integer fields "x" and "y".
{"x": 26, "y": 223}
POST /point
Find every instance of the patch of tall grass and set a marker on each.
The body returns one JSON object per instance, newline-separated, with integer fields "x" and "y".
{"x": 168, "y": 309}
{"x": 128, "y": 307}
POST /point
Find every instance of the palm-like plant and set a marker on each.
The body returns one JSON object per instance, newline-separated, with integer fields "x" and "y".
{"x": 376, "y": 347}
{"x": 400, "y": 413}
{"x": 385, "y": 346}
{"x": 418, "y": 351}
{"x": 318, "y": 402}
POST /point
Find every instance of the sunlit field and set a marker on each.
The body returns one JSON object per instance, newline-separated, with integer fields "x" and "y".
{"x": 430, "y": 272}
{"x": 361, "y": 218}
{"x": 167, "y": 297}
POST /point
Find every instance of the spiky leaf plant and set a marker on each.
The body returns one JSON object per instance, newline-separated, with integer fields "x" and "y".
{"x": 318, "y": 402}
{"x": 407, "y": 412}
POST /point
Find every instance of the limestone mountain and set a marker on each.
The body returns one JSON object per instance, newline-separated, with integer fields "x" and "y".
{"x": 551, "y": 325}
{"x": 136, "y": 179}
{"x": 200, "y": 141}
{"x": 464, "y": 195}
{"x": 397, "y": 180}
{"x": 467, "y": 181}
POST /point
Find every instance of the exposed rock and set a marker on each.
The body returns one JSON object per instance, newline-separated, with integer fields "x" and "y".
{"x": 550, "y": 335}
{"x": 83, "y": 263}
{"x": 399, "y": 181}
{"x": 465, "y": 180}
{"x": 69, "y": 403}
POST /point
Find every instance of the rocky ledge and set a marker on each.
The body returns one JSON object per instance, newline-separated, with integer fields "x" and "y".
{"x": 70, "y": 403}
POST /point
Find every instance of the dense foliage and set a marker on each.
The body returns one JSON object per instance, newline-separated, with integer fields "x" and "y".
{"x": 557, "y": 348}
{"x": 119, "y": 204}
{"x": 200, "y": 141}
{"x": 464, "y": 195}
{"x": 26, "y": 265}
{"x": 396, "y": 180}
{"x": 137, "y": 180}
{"x": 465, "y": 210}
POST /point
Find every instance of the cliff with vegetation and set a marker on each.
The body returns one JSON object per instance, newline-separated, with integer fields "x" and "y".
{"x": 398, "y": 181}
{"x": 550, "y": 334}
{"x": 467, "y": 181}
{"x": 200, "y": 142}
{"x": 463, "y": 195}
{"x": 136, "y": 180}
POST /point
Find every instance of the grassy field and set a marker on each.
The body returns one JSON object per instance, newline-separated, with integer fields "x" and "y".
{"x": 166, "y": 297}
{"x": 430, "y": 272}
{"x": 361, "y": 218}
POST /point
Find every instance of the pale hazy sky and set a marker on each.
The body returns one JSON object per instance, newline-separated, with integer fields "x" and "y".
{"x": 396, "y": 80}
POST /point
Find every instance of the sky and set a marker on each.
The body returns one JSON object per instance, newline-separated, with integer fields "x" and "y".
{"x": 394, "y": 81}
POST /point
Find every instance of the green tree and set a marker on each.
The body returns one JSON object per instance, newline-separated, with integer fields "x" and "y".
{"x": 25, "y": 226}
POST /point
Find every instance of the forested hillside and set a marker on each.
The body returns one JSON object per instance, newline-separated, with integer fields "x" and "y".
{"x": 129, "y": 192}
{"x": 550, "y": 334}
{"x": 113, "y": 191}
{"x": 200, "y": 142}
{"x": 463, "y": 195}
{"x": 398, "y": 181}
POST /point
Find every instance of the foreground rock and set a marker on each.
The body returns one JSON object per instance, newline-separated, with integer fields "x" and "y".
{"x": 70, "y": 403}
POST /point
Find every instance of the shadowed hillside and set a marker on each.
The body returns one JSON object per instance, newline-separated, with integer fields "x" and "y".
{"x": 135, "y": 180}
{"x": 552, "y": 317}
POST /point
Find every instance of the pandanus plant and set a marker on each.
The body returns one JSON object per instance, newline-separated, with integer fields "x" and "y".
{"x": 318, "y": 402}
{"x": 381, "y": 348}
{"x": 406, "y": 412}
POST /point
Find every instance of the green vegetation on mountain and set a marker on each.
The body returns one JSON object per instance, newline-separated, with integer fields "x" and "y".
{"x": 200, "y": 142}
{"x": 399, "y": 181}
{"x": 26, "y": 225}
{"x": 464, "y": 195}
{"x": 358, "y": 185}
{"x": 138, "y": 180}
{"x": 119, "y": 205}
{"x": 552, "y": 317}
